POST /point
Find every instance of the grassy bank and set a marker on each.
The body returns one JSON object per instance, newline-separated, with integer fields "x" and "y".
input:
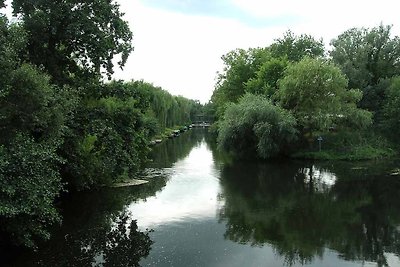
{"x": 349, "y": 146}
{"x": 167, "y": 132}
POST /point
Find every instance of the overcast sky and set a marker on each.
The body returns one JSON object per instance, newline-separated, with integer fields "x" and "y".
{"x": 179, "y": 43}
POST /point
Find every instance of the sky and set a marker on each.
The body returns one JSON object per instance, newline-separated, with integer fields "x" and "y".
{"x": 179, "y": 43}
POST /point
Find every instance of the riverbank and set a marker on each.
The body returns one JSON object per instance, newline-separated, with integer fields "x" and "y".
{"x": 348, "y": 146}
{"x": 169, "y": 133}
{"x": 132, "y": 182}
{"x": 360, "y": 153}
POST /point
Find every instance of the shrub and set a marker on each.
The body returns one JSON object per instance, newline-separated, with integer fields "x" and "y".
{"x": 254, "y": 126}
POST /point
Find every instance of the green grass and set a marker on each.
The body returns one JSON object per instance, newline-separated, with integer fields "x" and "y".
{"x": 349, "y": 146}
{"x": 357, "y": 153}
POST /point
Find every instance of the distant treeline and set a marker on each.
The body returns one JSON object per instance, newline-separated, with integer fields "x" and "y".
{"x": 61, "y": 127}
{"x": 285, "y": 98}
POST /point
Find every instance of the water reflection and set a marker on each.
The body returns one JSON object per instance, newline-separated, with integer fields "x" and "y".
{"x": 208, "y": 210}
{"x": 114, "y": 243}
{"x": 321, "y": 180}
{"x": 191, "y": 192}
{"x": 301, "y": 211}
{"x": 166, "y": 154}
{"x": 97, "y": 230}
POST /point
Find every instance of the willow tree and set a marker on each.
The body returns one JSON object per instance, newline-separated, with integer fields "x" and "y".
{"x": 254, "y": 127}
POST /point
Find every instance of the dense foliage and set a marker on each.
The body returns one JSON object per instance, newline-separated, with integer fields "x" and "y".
{"x": 391, "y": 110}
{"x": 254, "y": 124}
{"x": 352, "y": 89}
{"x": 316, "y": 92}
{"x": 74, "y": 39}
{"x": 61, "y": 127}
{"x": 367, "y": 57}
{"x": 31, "y": 125}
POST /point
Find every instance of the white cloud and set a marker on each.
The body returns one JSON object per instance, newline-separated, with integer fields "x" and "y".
{"x": 181, "y": 53}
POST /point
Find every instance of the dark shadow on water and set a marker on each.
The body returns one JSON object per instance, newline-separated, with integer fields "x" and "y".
{"x": 97, "y": 229}
{"x": 298, "y": 208}
{"x": 302, "y": 208}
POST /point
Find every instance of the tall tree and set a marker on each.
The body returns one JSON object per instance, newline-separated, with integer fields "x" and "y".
{"x": 267, "y": 77}
{"x": 294, "y": 48}
{"x": 316, "y": 92}
{"x": 367, "y": 57}
{"x": 31, "y": 126}
{"x": 73, "y": 38}
{"x": 240, "y": 66}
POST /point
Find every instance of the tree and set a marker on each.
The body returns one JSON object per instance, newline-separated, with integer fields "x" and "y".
{"x": 255, "y": 127}
{"x": 316, "y": 92}
{"x": 108, "y": 139}
{"x": 32, "y": 119}
{"x": 240, "y": 66}
{"x": 366, "y": 57}
{"x": 73, "y": 39}
{"x": 267, "y": 77}
{"x": 391, "y": 110}
{"x": 294, "y": 48}
{"x": 257, "y": 70}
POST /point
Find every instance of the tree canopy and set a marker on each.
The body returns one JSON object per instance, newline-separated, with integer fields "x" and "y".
{"x": 75, "y": 38}
{"x": 61, "y": 127}
{"x": 316, "y": 92}
{"x": 255, "y": 127}
{"x": 367, "y": 57}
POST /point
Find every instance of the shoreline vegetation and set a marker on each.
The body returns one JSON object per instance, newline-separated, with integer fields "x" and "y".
{"x": 294, "y": 99}
{"x": 63, "y": 128}
{"x": 355, "y": 154}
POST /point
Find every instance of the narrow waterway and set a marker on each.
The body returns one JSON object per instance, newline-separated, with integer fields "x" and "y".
{"x": 201, "y": 208}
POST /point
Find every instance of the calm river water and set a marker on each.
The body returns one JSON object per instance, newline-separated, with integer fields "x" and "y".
{"x": 202, "y": 209}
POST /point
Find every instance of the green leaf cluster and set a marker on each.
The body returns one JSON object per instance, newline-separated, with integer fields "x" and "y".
{"x": 61, "y": 126}
{"x": 256, "y": 126}
{"x": 353, "y": 88}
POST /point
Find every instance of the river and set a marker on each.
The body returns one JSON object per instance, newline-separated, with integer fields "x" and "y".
{"x": 202, "y": 208}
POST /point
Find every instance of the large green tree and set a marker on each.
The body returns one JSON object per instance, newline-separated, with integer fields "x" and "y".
{"x": 240, "y": 66}
{"x": 267, "y": 77}
{"x": 294, "y": 48}
{"x": 257, "y": 70}
{"x": 316, "y": 92}
{"x": 32, "y": 116}
{"x": 391, "y": 110}
{"x": 75, "y": 39}
{"x": 368, "y": 57}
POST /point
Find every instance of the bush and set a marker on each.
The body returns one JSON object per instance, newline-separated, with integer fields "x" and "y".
{"x": 391, "y": 110}
{"x": 256, "y": 127}
{"x": 29, "y": 183}
{"x": 108, "y": 142}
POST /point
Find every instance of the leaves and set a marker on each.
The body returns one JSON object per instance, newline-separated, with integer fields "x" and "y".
{"x": 75, "y": 39}
{"x": 316, "y": 92}
{"x": 255, "y": 127}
